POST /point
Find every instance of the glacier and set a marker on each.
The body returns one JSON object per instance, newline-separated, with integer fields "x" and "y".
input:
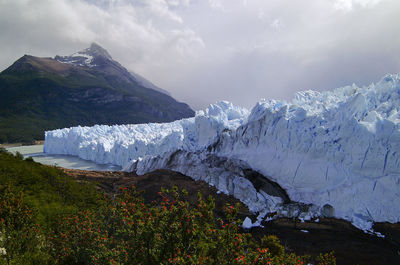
{"x": 121, "y": 144}
{"x": 334, "y": 153}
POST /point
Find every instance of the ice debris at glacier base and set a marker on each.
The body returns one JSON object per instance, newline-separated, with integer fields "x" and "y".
{"x": 336, "y": 150}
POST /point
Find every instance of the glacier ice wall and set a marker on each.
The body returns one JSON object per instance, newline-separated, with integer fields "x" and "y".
{"x": 120, "y": 144}
{"x": 339, "y": 148}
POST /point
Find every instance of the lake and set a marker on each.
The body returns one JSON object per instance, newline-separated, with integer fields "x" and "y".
{"x": 66, "y": 161}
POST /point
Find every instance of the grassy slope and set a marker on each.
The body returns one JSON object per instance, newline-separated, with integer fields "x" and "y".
{"x": 46, "y": 189}
{"x": 33, "y": 102}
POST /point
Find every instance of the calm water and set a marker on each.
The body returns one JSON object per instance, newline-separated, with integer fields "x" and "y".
{"x": 72, "y": 162}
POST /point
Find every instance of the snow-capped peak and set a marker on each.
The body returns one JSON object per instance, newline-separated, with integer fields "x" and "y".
{"x": 85, "y": 57}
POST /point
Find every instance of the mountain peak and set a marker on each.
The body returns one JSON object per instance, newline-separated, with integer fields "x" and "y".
{"x": 98, "y": 57}
{"x": 97, "y": 51}
{"x": 87, "y": 57}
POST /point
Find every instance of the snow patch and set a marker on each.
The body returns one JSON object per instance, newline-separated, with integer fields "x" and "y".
{"x": 79, "y": 58}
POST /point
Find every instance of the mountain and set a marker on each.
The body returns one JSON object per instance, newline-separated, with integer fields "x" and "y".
{"x": 97, "y": 57}
{"x": 86, "y": 88}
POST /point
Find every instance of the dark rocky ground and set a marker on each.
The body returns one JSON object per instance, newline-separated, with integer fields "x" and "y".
{"x": 351, "y": 245}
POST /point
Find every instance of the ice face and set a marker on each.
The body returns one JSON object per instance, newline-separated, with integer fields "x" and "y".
{"x": 337, "y": 148}
{"x": 124, "y": 143}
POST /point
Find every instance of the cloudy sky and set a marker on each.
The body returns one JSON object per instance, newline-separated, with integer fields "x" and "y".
{"x": 203, "y": 51}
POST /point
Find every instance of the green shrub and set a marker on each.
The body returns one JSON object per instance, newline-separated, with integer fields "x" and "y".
{"x": 19, "y": 156}
{"x": 47, "y": 189}
{"x": 20, "y": 236}
{"x": 273, "y": 244}
{"x": 172, "y": 232}
{"x": 327, "y": 259}
{"x": 29, "y": 159}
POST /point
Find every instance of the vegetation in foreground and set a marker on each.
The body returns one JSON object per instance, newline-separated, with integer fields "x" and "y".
{"x": 46, "y": 218}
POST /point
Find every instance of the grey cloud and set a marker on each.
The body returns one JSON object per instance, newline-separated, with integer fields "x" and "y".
{"x": 204, "y": 51}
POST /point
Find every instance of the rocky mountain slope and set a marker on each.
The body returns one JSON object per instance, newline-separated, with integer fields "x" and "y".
{"x": 86, "y": 88}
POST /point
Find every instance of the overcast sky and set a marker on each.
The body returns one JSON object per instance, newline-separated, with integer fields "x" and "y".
{"x": 203, "y": 51}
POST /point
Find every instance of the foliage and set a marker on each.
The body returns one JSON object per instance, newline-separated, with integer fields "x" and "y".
{"x": 47, "y": 218}
{"x": 327, "y": 258}
{"x": 127, "y": 231}
{"x": 273, "y": 244}
{"x": 19, "y": 240}
{"x": 46, "y": 189}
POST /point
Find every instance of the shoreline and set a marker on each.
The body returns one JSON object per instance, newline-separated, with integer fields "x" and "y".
{"x": 36, "y": 151}
{"x": 9, "y": 145}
